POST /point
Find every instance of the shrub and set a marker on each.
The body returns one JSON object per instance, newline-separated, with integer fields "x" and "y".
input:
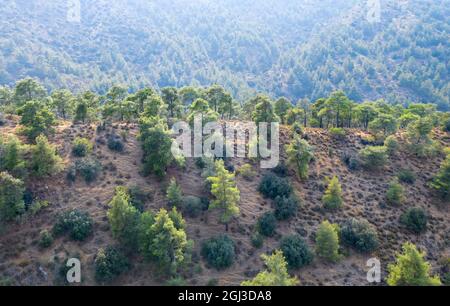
{"x": 174, "y": 194}
{"x": 286, "y": 207}
{"x": 74, "y": 222}
{"x": 415, "y": 219}
{"x": 200, "y": 162}
{"x": 115, "y": 143}
{"x": 300, "y": 154}
{"x": 406, "y": 176}
{"x": 192, "y": 206}
{"x": 395, "y": 194}
{"x": 89, "y": 168}
{"x": 81, "y": 147}
{"x": 138, "y": 197}
{"x": 296, "y": 251}
{"x": 391, "y": 145}
{"x": 273, "y": 186}
{"x": 373, "y": 157}
{"x": 46, "y": 239}
{"x": 109, "y": 264}
{"x": 246, "y": 171}
{"x": 353, "y": 162}
{"x": 359, "y": 234}
{"x": 267, "y": 224}
{"x": 337, "y": 133}
{"x": 332, "y": 199}
{"x": 368, "y": 140}
{"x": 327, "y": 241}
{"x": 296, "y": 129}
{"x": 281, "y": 169}
{"x": 219, "y": 251}
{"x": 257, "y": 240}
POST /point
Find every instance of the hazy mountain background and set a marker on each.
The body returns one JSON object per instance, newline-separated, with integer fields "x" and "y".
{"x": 293, "y": 48}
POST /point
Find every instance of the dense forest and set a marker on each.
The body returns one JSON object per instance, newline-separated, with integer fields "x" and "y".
{"x": 297, "y": 49}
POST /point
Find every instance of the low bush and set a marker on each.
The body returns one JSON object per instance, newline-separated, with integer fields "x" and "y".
{"x": 337, "y": 133}
{"x": 359, "y": 234}
{"x": 74, "y": 222}
{"x": 257, "y": 240}
{"x": 138, "y": 197}
{"x": 46, "y": 239}
{"x": 115, "y": 143}
{"x": 406, "y": 176}
{"x": 192, "y": 206}
{"x": 273, "y": 186}
{"x": 81, "y": 147}
{"x": 391, "y": 145}
{"x": 296, "y": 251}
{"x": 109, "y": 264}
{"x": 219, "y": 251}
{"x": 415, "y": 220}
{"x": 395, "y": 194}
{"x": 373, "y": 157}
{"x": 286, "y": 207}
{"x": 282, "y": 170}
{"x": 247, "y": 172}
{"x": 89, "y": 168}
{"x": 267, "y": 224}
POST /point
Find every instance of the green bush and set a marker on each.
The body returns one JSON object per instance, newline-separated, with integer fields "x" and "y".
{"x": 359, "y": 234}
{"x": 138, "y": 197}
{"x": 257, "y": 240}
{"x": 77, "y": 224}
{"x": 332, "y": 199}
{"x": 286, "y": 207}
{"x": 81, "y": 147}
{"x": 395, "y": 194}
{"x": 337, "y": 133}
{"x": 174, "y": 194}
{"x": 296, "y": 251}
{"x": 115, "y": 143}
{"x": 373, "y": 157}
{"x": 193, "y": 206}
{"x": 415, "y": 219}
{"x": 46, "y": 239}
{"x": 406, "y": 176}
{"x": 273, "y": 186}
{"x": 219, "y": 251}
{"x": 109, "y": 264}
{"x": 391, "y": 145}
{"x": 267, "y": 224}
{"x": 89, "y": 168}
{"x": 247, "y": 172}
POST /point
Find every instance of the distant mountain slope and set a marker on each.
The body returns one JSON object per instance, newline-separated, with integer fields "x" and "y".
{"x": 283, "y": 47}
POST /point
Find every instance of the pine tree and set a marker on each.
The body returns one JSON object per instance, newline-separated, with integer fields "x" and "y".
{"x": 12, "y": 156}
{"x": 411, "y": 269}
{"x": 441, "y": 182}
{"x": 174, "y": 194}
{"x": 11, "y": 197}
{"x": 395, "y": 194}
{"x": 327, "y": 241}
{"x": 44, "y": 159}
{"x": 227, "y": 195}
{"x": 276, "y": 275}
{"x": 36, "y": 119}
{"x": 332, "y": 198}
{"x": 300, "y": 154}
{"x": 123, "y": 218}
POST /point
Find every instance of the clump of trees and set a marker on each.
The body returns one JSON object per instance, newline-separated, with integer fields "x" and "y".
{"x": 411, "y": 269}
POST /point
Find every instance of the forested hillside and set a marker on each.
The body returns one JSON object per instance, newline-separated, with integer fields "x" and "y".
{"x": 299, "y": 49}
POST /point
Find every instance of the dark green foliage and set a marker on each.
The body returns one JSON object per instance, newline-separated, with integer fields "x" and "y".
{"x": 219, "y": 251}
{"x": 138, "y": 197}
{"x": 46, "y": 239}
{"x": 77, "y": 224}
{"x": 359, "y": 234}
{"x": 81, "y": 147}
{"x": 257, "y": 240}
{"x": 296, "y": 251}
{"x": 272, "y": 186}
{"x": 89, "y": 168}
{"x": 11, "y": 197}
{"x": 109, "y": 264}
{"x": 441, "y": 181}
{"x": 406, "y": 176}
{"x": 373, "y": 157}
{"x": 267, "y": 224}
{"x": 192, "y": 206}
{"x": 281, "y": 169}
{"x": 415, "y": 219}
{"x": 115, "y": 143}
{"x": 286, "y": 207}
